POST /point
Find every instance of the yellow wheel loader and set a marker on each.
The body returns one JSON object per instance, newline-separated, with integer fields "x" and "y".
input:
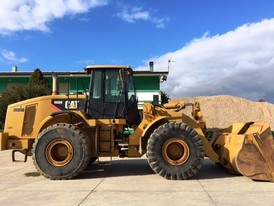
{"x": 65, "y": 133}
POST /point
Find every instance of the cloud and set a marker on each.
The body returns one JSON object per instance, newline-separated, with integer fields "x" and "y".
{"x": 239, "y": 63}
{"x": 86, "y": 61}
{"x": 10, "y": 57}
{"x": 135, "y": 14}
{"x": 37, "y": 14}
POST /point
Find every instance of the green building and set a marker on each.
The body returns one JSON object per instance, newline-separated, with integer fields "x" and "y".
{"x": 147, "y": 83}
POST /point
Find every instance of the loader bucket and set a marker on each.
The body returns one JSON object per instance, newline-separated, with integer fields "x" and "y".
{"x": 248, "y": 149}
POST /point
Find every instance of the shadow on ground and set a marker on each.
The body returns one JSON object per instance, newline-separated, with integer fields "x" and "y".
{"x": 139, "y": 167}
{"x": 210, "y": 170}
{"x": 117, "y": 168}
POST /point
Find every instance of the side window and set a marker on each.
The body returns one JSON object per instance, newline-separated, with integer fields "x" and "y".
{"x": 97, "y": 86}
{"x": 131, "y": 92}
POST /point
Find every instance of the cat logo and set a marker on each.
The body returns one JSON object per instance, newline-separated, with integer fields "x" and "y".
{"x": 71, "y": 104}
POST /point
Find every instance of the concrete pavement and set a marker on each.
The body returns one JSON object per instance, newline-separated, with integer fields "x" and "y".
{"x": 128, "y": 182}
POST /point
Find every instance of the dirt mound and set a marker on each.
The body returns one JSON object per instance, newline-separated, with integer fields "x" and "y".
{"x": 222, "y": 111}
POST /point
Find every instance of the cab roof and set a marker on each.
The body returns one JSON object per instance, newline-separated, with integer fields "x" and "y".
{"x": 94, "y": 67}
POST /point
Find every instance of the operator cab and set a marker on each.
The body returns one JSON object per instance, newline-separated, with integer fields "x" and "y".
{"x": 112, "y": 94}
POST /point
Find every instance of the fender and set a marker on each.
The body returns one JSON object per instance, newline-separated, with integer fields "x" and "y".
{"x": 152, "y": 124}
{"x": 143, "y": 136}
{"x": 70, "y": 113}
{"x": 55, "y": 115}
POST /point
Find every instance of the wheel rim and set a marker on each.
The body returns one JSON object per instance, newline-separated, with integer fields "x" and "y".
{"x": 59, "y": 152}
{"x": 175, "y": 151}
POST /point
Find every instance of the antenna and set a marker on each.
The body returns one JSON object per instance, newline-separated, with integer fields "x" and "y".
{"x": 169, "y": 62}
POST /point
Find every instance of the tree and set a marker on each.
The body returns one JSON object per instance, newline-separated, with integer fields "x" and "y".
{"x": 164, "y": 97}
{"x": 37, "y": 86}
{"x": 13, "y": 94}
{"x": 37, "y": 78}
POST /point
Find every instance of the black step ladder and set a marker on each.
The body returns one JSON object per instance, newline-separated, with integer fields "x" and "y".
{"x": 102, "y": 140}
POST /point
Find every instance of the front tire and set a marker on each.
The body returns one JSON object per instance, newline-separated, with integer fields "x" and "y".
{"x": 61, "y": 151}
{"x": 175, "y": 151}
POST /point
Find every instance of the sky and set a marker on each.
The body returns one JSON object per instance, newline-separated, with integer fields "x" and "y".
{"x": 209, "y": 47}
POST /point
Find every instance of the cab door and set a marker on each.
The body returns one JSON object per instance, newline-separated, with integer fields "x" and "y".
{"x": 106, "y": 99}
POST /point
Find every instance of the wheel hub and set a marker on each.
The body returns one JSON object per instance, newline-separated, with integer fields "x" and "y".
{"x": 175, "y": 151}
{"x": 59, "y": 152}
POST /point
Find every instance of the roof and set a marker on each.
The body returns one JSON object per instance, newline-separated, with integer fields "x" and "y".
{"x": 83, "y": 73}
{"x": 27, "y": 74}
{"x": 150, "y": 73}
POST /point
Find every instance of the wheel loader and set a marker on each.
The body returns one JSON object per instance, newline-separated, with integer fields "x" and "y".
{"x": 65, "y": 133}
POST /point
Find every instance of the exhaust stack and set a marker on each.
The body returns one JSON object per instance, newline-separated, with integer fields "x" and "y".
{"x": 55, "y": 84}
{"x": 151, "y": 66}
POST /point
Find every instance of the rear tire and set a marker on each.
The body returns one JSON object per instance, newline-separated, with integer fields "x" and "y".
{"x": 175, "y": 151}
{"x": 61, "y": 151}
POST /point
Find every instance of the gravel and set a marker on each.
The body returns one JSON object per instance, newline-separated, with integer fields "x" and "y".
{"x": 222, "y": 111}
